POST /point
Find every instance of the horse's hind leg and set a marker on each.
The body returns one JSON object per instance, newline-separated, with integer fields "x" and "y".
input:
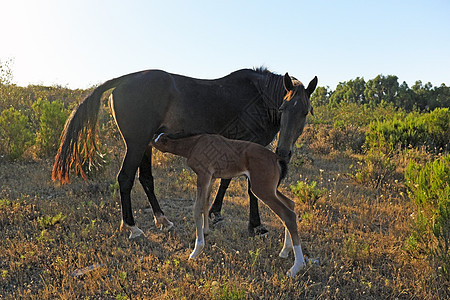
{"x": 216, "y": 207}
{"x": 126, "y": 176}
{"x": 146, "y": 180}
{"x": 254, "y": 223}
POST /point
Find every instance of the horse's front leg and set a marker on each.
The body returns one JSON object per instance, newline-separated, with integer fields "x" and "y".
{"x": 146, "y": 180}
{"x": 200, "y": 213}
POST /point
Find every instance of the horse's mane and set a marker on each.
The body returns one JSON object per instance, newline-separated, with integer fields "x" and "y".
{"x": 270, "y": 87}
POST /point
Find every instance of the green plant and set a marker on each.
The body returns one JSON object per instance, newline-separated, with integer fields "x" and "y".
{"x": 429, "y": 188}
{"x": 307, "y": 193}
{"x": 431, "y": 130}
{"x": 356, "y": 249}
{"x": 50, "y": 221}
{"x": 52, "y": 116}
{"x": 254, "y": 256}
{"x": 15, "y": 134}
{"x": 114, "y": 189}
{"x": 228, "y": 292}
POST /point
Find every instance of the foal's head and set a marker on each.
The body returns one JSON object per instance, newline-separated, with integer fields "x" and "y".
{"x": 295, "y": 108}
{"x": 161, "y": 142}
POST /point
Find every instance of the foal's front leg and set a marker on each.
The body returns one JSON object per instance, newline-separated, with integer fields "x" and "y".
{"x": 200, "y": 213}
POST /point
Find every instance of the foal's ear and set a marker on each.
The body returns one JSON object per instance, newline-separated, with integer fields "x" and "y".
{"x": 311, "y": 86}
{"x": 287, "y": 82}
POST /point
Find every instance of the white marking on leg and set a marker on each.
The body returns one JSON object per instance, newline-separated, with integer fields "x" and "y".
{"x": 200, "y": 241}
{"x": 287, "y": 244}
{"x": 199, "y": 244}
{"x": 298, "y": 263}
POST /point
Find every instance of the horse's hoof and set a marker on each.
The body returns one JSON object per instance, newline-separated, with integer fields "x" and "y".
{"x": 259, "y": 231}
{"x": 216, "y": 218}
{"x": 162, "y": 222}
{"x": 134, "y": 230}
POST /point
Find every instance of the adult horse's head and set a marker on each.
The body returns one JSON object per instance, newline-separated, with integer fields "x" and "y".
{"x": 295, "y": 108}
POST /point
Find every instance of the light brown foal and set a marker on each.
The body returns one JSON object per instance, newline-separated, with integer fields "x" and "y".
{"x": 213, "y": 156}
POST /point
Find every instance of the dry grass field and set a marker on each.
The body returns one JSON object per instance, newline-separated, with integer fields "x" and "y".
{"x": 356, "y": 232}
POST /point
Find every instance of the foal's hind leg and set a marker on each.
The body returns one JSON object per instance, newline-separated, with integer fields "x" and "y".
{"x": 146, "y": 180}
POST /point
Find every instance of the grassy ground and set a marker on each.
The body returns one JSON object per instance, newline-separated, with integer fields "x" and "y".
{"x": 356, "y": 232}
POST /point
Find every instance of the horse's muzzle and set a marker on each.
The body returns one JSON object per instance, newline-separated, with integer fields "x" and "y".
{"x": 284, "y": 154}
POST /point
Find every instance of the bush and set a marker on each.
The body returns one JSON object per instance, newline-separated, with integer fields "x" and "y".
{"x": 52, "y": 116}
{"x": 428, "y": 186}
{"x": 431, "y": 130}
{"x": 307, "y": 193}
{"x": 15, "y": 134}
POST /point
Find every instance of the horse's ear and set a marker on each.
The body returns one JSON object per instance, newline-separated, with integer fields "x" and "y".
{"x": 287, "y": 82}
{"x": 311, "y": 86}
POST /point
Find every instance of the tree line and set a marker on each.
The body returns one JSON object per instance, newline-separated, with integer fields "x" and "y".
{"x": 384, "y": 90}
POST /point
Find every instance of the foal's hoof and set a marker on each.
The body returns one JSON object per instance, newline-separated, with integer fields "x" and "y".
{"x": 294, "y": 270}
{"x": 134, "y": 230}
{"x": 285, "y": 252}
{"x": 162, "y": 222}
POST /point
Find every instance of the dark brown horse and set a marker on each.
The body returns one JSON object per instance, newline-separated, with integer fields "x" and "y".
{"x": 263, "y": 168}
{"x": 250, "y": 105}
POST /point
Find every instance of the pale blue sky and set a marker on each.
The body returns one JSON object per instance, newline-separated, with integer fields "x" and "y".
{"x": 85, "y": 42}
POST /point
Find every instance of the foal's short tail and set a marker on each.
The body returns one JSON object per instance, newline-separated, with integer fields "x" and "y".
{"x": 78, "y": 139}
{"x": 283, "y": 169}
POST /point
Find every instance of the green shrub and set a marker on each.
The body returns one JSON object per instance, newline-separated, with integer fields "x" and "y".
{"x": 431, "y": 130}
{"x": 15, "y": 135}
{"x": 52, "y": 116}
{"x": 429, "y": 188}
{"x": 307, "y": 193}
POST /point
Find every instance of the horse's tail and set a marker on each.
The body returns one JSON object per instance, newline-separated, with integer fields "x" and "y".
{"x": 283, "y": 169}
{"x": 78, "y": 139}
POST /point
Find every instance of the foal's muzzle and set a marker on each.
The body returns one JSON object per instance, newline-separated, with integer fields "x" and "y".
{"x": 284, "y": 154}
